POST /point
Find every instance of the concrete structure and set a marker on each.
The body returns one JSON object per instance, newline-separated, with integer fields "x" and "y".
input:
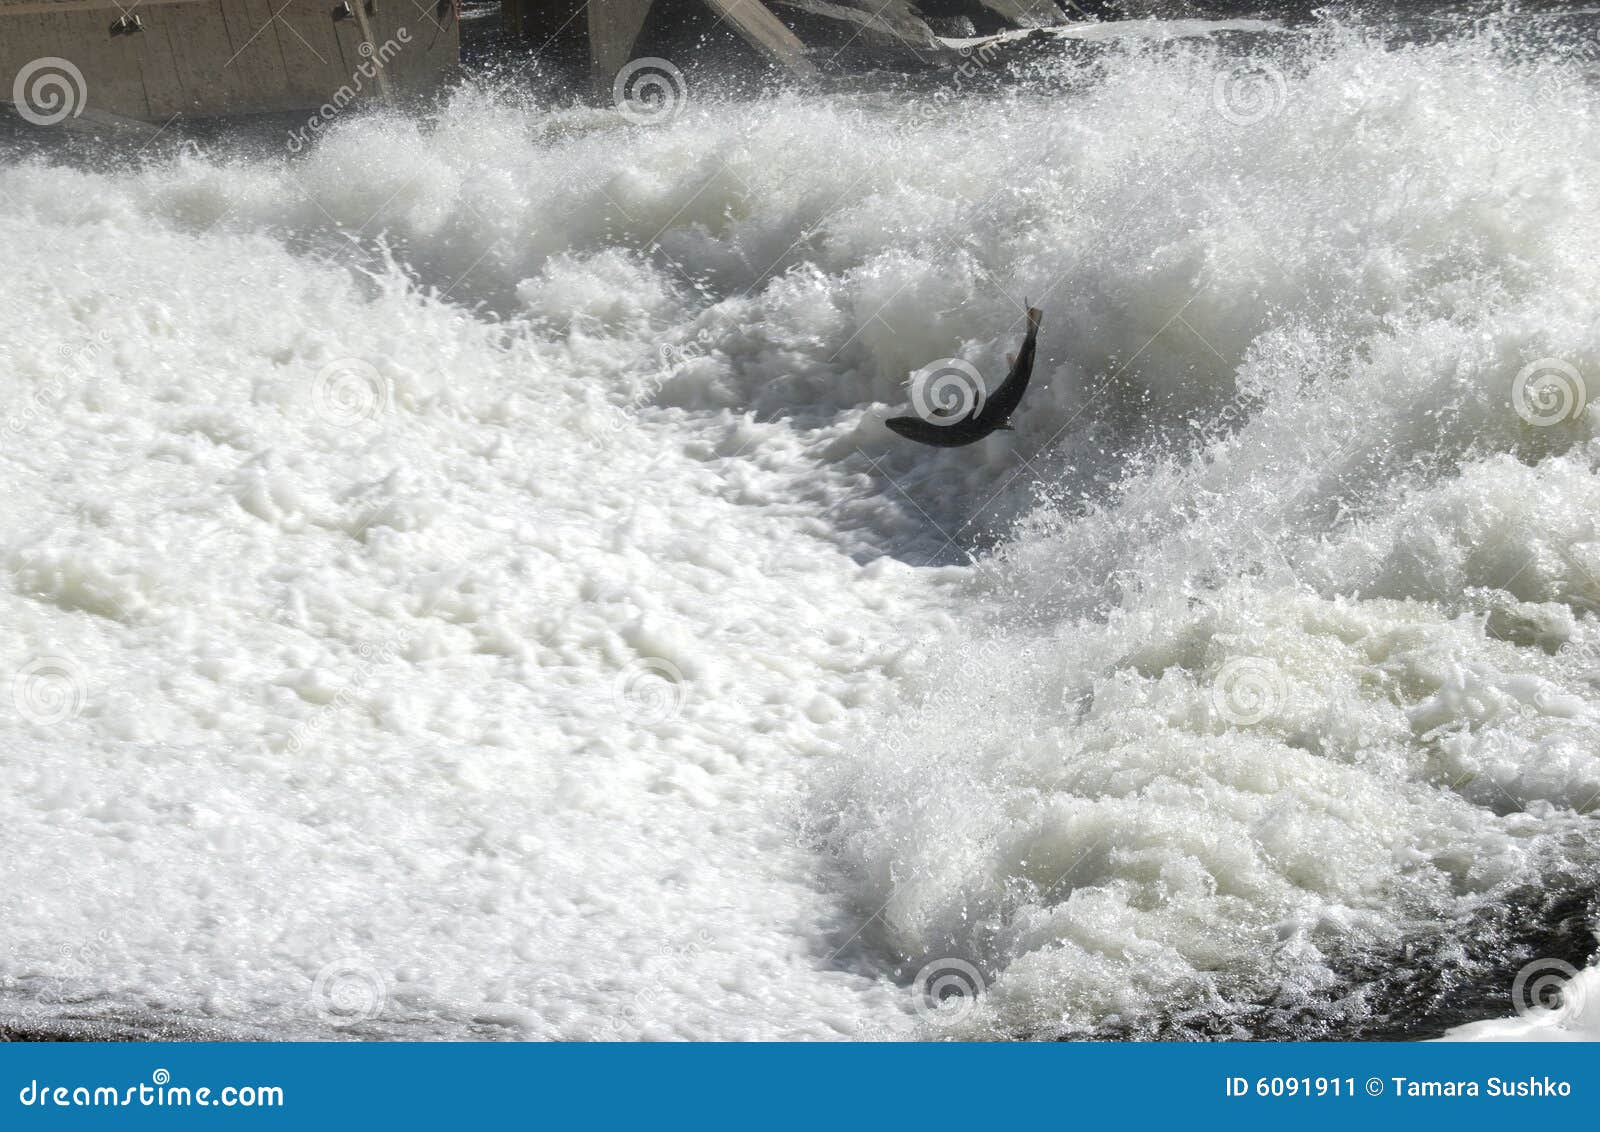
{"x": 610, "y": 32}
{"x": 152, "y": 60}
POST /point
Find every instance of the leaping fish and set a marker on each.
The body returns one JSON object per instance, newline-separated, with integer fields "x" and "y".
{"x": 947, "y": 429}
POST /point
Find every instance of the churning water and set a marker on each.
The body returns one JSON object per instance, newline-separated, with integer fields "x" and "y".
{"x": 457, "y": 580}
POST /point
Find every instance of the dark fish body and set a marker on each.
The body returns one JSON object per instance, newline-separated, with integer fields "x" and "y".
{"x": 937, "y": 436}
{"x": 993, "y": 414}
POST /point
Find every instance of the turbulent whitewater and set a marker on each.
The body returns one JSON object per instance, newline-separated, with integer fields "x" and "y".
{"x": 458, "y": 582}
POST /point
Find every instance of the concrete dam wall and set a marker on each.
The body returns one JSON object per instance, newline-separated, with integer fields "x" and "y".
{"x": 162, "y": 59}
{"x": 157, "y": 60}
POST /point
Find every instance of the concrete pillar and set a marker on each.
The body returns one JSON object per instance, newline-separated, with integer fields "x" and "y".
{"x": 765, "y": 32}
{"x": 614, "y": 27}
